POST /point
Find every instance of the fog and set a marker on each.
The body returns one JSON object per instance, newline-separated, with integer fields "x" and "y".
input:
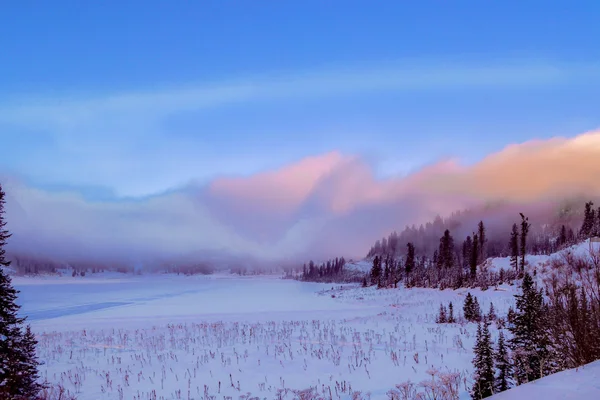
{"x": 323, "y": 206}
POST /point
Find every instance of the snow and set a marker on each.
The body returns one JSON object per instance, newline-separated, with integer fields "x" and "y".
{"x": 579, "y": 383}
{"x": 154, "y": 335}
{"x": 538, "y": 262}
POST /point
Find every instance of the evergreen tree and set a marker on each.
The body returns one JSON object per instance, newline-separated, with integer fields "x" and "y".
{"x": 442, "y": 315}
{"x": 476, "y": 309}
{"x": 451, "y": 318}
{"x": 18, "y": 362}
{"x": 468, "y": 307}
{"x": 587, "y": 226}
{"x": 482, "y": 241}
{"x": 529, "y": 343}
{"x": 474, "y": 257}
{"x": 446, "y": 252}
{"x": 376, "y": 271}
{"x": 483, "y": 363}
{"x": 503, "y": 366}
{"x": 513, "y": 245}
{"x": 409, "y": 265}
{"x": 466, "y": 253}
{"x": 364, "y": 282}
{"x": 492, "y": 313}
{"x": 525, "y": 225}
{"x": 562, "y": 239}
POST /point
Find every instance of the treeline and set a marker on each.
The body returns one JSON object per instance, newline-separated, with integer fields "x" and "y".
{"x": 329, "y": 271}
{"x": 548, "y": 235}
{"x": 453, "y": 264}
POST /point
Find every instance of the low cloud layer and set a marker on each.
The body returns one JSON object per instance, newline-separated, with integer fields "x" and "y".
{"x": 326, "y": 205}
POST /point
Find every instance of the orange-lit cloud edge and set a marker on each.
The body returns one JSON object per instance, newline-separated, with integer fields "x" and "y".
{"x": 324, "y": 205}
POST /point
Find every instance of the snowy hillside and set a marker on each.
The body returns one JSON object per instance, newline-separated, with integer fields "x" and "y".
{"x": 581, "y": 383}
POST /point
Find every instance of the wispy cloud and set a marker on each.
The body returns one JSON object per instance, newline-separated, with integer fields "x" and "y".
{"x": 121, "y": 141}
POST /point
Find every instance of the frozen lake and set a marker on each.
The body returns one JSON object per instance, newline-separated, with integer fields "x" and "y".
{"x": 89, "y": 302}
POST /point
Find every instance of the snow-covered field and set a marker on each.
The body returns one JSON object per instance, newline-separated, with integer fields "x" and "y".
{"x": 169, "y": 337}
{"x": 225, "y": 337}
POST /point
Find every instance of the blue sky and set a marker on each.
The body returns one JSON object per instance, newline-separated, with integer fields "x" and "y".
{"x": 131, "y": 98}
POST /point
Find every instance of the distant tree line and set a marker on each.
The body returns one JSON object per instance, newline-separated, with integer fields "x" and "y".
{"x": 329, "y": 271}
{"x": 453, "y": 265}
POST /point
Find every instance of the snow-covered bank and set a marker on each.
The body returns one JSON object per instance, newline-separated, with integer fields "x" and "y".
{"x": 581, "y": 383}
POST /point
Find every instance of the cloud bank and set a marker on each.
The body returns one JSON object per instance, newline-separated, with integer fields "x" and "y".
{"x": 325, "y": 205}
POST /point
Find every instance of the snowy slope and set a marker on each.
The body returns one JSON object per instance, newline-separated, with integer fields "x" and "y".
{"x": 580, "y": 383}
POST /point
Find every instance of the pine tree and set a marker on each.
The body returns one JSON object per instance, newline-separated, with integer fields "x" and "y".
{"x": 503, "y": 366}
{"x": 409, "y": 265}
{"x": 442, "y": 315}
{"x": 483, "y": 363}
{"x": 18, "y": 362}
{"x": 466, "y": 253}
{"x": 468, "y": 307}
{"x": 491, "y": 316}
{"x": 474, "y": 257}
{"x": 587, "y": 226}
{"x": 451, "y": 318}
{"x": 562, "y": 239}
{"x": 482, "y": 241}
{"x": 525, "y": 225}
{"x": 514, "y": 247}
{"x": 476, "y": 309}
{"x": 529, "y": 343}
{"x": 376, "y": 271}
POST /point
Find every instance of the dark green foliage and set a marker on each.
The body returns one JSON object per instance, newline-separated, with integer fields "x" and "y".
{"x": 442, "y": 315}
{"x": 503, "y": 366}
{"x": 589, "y": 221}
{"x": 525, "y": 225}
{"x": 330, "y": 271}
{"x": 483, "y": 363}
{"x": 451, "y": 318}
{"x": 18, "y": 362}
{"x": 491, "y": 316}
{"x": 513, "y": 245}
{"x": 409, "y": 265}
{"x": 482, "y": 241}
{"x": 376, "y": 271}
{"x": 471, "y": 309}
{"x": 530, "y": 343}
{"x": 474, "y": 261}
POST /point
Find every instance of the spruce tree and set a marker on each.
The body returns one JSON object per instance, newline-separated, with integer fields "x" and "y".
{"x": 491, "y": 316}
{"x": 376, "y": 271}
{"x": 476, "y": 310}
{"x": 18, "y": 362}
{"x": 587, "y": 227}
{"x": 468, "y": 307}
{"x": 562, "y": 239}
{"x": 451, "y": 318}
{"x": 466, "y": 253}
{"x": 513, "y": 245}
{"x": 442, "y": 315}
{"x": 530, "y": 343}
{"x": 474, "y": 257}
{"x": 503, "y": 366}
{"x": 483, "y": 363}
{"x": 409, "y": 265}
{"x": 482, "y": 240}
{"x": 525, "y": 225}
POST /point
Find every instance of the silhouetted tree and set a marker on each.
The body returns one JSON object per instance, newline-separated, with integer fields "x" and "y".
{"x": 525, "y": 225}
{"x": 514, "y": 247}
{"x": 18, "y": 362}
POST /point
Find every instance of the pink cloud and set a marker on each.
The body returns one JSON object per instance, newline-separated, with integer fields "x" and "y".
{"x": 325, "y": 205}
